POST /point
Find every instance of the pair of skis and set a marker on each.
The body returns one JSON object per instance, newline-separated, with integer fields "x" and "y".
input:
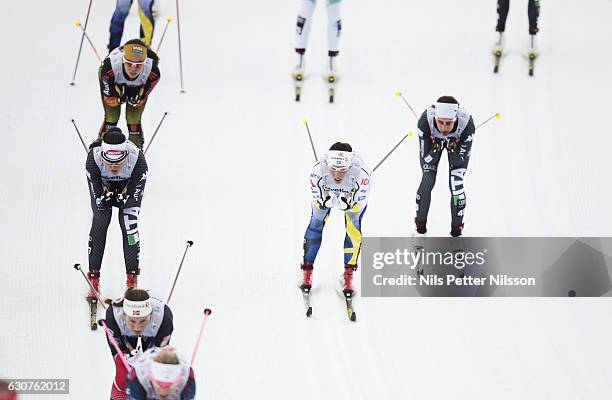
{"x": 498, "y": 53}
{"x": 331, "y": 79}
{"x": 348, "y": 301}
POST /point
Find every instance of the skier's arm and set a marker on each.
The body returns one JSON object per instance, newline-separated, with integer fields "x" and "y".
{"x": 152, "y": 81}
{"x": 133, "y": 387}
{"x": 469, "y": 130}
{"x": 107, "y": 84}
{"x": 111, "y": 323}
{"x": 165, "y": 330}
{"x": 319, "y": 194}
{"x": 361, "y": 191}
{"x": 136, "y": 184}
{"x": 94, "y": 177}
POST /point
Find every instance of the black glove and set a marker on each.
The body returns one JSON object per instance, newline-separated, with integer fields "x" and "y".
{"x": 133, "y": 94}
{"x": 121, "y": 199}
{"x": 345, "y": 204}
{"x": 326, "y": 203}
{"x": 106, "y": 199}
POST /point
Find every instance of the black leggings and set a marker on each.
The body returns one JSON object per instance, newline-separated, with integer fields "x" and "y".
{"x": 533, "y": 12}
{"x": 128, "y": 220}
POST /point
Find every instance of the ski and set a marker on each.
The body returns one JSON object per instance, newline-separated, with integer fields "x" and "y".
{"x": 348, "y": 298}
{"x": 93, "y": 314}
{"x": 497, "y": 55}
{"x": 531, "y": 57}
{"x": 331, "y": 86}
{"x": 306, "y": 298}
{"x": 298, "y": 79}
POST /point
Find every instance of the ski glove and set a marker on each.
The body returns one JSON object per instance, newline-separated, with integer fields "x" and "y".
{"x": 105, "y": 200}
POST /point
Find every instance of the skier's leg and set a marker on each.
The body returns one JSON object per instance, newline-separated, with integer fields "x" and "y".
{"x": 147, "y": 21}
{"x": 128, "y": 220}
{"x": 458, "y": 162}
{"x": 533, "y": 12}
{"x": 133, "y": 117}
{"x": 304, "y": 22}
{"x": 314, "y": 232}
{"x": 502, "y": 14}
{"x": 97, "y": 233}
{"x": 334, "y": 27}
{"x": 352, "y": 238}
{"x": 429, "y": 167}
{"x": 122, "y": 10}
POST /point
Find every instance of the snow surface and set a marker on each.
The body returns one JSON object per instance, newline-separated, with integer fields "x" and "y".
{"x": 229, "y": 170}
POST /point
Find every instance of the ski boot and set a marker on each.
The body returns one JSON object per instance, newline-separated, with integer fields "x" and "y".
{"x": 532, "y": 53}
{"x": 331, "y": 77}
{"x": 306, "y": 268}
{"x": 298, "y": 73}
{"x": 456, "y": 230}
{"x": 94, "y": 279}
{"x": 347, "y": 279}
{"x": 498, "y": 50}
{"x": 132, "y": 278}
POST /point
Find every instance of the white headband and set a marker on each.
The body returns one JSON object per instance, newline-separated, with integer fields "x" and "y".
{"x": 137, "y": 308}
{"x": 339, "y": 159}
{"x": 166, "y": 373}
{"x": 446, "y": 110}
{"x": 114, "y": 153}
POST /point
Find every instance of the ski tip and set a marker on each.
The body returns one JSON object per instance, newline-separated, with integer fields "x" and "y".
{"x": 331, "y": 99}
{"x": 353, "y": 316}
{"x": 94, "y": 327}
{"x": 309, "y": 312}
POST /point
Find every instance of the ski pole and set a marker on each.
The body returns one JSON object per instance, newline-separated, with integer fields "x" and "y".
{"x": 155, "y": 133}
{"x": 78, "y": 24}
{"x": 168, "y": 20}
{"x": 79, "y": 133}
{"x": 496, "y": 115}
{"x": 109, "y": 334}
{"x": 399, "y": 94}
{"x": 310, "y": 137}
{"x": 178, "y": 29}
{"x": 178, "y": 271}
{"x": 76, "y": 65}
{"x": 392, "y": 150}
{"x": 78, "y": 268}
{"x": 207, "y": 312}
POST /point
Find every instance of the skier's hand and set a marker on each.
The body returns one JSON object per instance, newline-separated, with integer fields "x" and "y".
{"x": 121, "y": 199}
{"x": 105, "y": 200}
{"x": 327, "y": 202}
{"x": 133, "y": 97}
{"x": 344, "y": 204}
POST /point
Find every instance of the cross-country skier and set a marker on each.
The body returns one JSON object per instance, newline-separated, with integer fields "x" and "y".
{"x": 138, "y": 322}
{"x": 340, "y": 180}
{"x": 122, "y": 9}
{"x": 128, "y": 75}
{"x": 116, "y": 175}
{"x": 160, "y": 374}
{"x": 444, "y": 125}
{"x": 334, "y": 29}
